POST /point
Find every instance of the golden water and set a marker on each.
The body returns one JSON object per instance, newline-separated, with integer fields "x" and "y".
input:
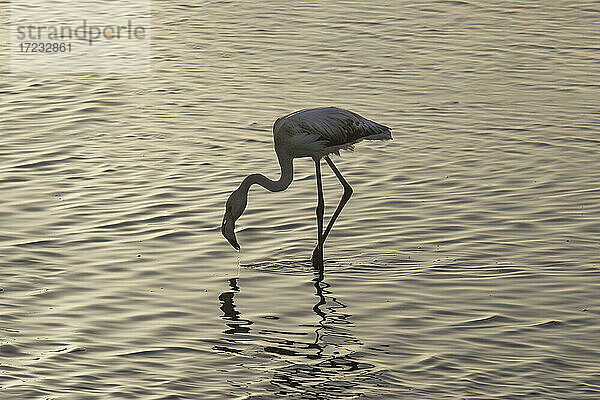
{"x": 465, "y": 265}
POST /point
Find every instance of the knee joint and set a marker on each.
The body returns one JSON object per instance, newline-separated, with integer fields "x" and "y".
{"x": 320, "y": 208}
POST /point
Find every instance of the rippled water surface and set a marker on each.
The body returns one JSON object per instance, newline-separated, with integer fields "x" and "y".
{"x": 464, "y": 267}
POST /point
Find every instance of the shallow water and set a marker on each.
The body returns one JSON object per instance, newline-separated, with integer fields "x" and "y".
{"x": 465, "y": 265}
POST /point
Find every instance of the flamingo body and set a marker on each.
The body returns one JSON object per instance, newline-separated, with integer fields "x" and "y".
{"x": 317, "y": 132}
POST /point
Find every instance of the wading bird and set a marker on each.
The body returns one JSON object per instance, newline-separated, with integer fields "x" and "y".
{"x": 315, "y": 133}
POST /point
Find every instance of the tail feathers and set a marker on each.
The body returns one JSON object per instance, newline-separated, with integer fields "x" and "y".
{"x": 387, "y": 135}
{"x": 350, "y": 146}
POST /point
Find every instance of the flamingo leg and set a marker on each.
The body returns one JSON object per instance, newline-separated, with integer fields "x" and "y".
{"x": 345, "y": 197}
{"x": 317, "y": 258}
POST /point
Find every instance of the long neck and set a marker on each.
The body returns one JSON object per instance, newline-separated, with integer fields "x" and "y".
{"x": 287, "y": 174}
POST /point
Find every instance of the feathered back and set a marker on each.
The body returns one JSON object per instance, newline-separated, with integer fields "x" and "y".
{"x": 334, "y": 125}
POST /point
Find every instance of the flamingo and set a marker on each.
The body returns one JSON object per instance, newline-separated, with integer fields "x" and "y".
{"x": 315, "y": 133}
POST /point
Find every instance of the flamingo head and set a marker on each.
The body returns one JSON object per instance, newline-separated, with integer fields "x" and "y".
{"x": 236, "y": 204}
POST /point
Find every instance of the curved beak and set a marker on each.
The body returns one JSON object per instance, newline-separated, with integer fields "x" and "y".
{"x": 227, "y": 229}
